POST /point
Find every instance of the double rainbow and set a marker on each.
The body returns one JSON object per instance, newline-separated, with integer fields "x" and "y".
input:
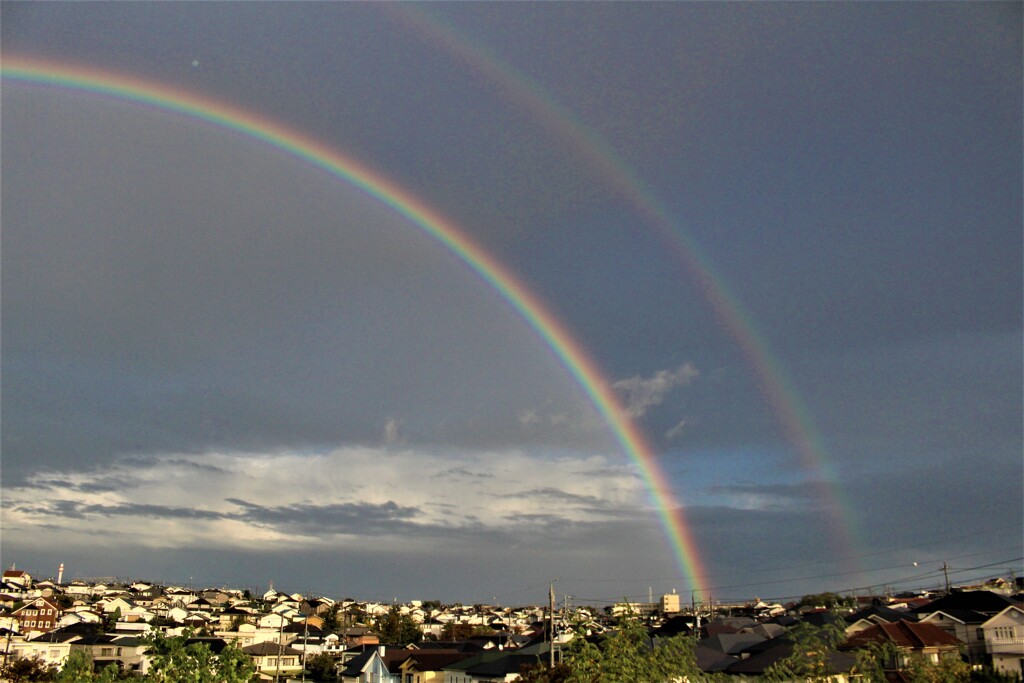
{"x": 602, "y": 160}
{"x": 552, "y": 332}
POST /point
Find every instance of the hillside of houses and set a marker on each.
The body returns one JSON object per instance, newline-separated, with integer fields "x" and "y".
{"x": 292, "y": 637}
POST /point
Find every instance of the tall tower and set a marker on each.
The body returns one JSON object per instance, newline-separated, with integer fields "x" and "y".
{"x": 60, "y": 574}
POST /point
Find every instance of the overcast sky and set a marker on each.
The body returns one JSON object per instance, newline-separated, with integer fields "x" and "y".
{"x": 223, "y": 364}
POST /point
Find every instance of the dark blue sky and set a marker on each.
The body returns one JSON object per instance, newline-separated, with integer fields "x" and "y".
{"x": 250, "y": 370}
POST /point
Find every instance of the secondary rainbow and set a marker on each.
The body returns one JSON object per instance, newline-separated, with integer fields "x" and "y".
{"x": 601, "y": 159}
{"x": 554, "y": 334}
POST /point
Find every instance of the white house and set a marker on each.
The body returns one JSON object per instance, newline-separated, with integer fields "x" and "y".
{"x": 51, "y": 648}
{"x": 1004, "y": 640}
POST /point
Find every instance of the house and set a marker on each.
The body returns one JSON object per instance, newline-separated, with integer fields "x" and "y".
{"x": 125, "y": 652}
{"x": 925, "y": 640}
{"x": 731, "y": 643}
{"x": 78, "y": 615}
{"x": 51, "y": 648}
{"x": 274, "y": 659}
{"x": 78, "y": 588}
{"x": 235, "y": 616}
{"x": 39, "y": 616}
{"x": 17, "y": 577}
{"x": 492, "y": 667}
{"x": 875, "y": 614}
{"x": 118, "y": 605}
{"x": 357, "y": 636}
{"x": 965, "y": 625}
{"x": 428, "y": 666}
{"x": 177, "y": 614}
{"x": 985, "y": 602}
{"x": 1004, "y": 641}
{"x": 273, "y": 620}
{"x": 367, "y": 667}
{"x": 961, "y": 614}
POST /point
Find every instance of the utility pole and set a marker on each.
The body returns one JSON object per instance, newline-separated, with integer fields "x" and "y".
{"x": 551, "y": 624}
{"x": 280, "y": 647}
{"x": 305, "y": 644}
{"x": 945, "y": 571}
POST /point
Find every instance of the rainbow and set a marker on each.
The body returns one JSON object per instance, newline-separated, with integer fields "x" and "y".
{"x": 776, "y": 388}
{"x": 553, "y": 332}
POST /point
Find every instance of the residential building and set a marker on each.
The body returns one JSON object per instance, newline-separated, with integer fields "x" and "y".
{"x": 39, "y": 616}
{"x": 1004, "y": 641}
{"x": 924, "y": 640}
{"x": 274, "y": 659}
{"x": 51, "y": 648}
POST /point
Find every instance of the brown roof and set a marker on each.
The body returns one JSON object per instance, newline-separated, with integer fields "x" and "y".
{"x": 435, "y": 660}
{"x": 269, "y": 649}
{"x": 34, "y": 604}
{"x": 905, "y": 634}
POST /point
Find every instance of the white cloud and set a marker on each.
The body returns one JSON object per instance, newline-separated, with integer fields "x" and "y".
{"x": 640, "y": 393}
{"x": 294, "y": 501}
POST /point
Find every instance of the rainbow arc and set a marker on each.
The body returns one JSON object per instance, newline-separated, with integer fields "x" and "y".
{"x": 555, "y": 334}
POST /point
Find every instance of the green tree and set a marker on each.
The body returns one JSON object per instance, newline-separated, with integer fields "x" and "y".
{"x": 541, "y": 673}
{"x": 398, "y": 628}
{"x": 331, "y": 622}
{"x": 322, "y": 667}
{"x": 453, "y": 631}
{"x": 177, "y": 661}
{"x": 627, "y": 654}
{"x": 946, "y": 670}
{"x": 79, "y": 667}
{"x": 27, "y": 670}
{"x": 878, "y": 661}
{"x": 811, "y": 658}
{"x": 827, "y": 600}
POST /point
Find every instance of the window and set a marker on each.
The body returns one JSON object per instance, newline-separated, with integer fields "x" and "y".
{"x": 107, "y": 652}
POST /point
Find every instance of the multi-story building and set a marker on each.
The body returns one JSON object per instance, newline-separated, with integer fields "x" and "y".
{"x": 39, "y": 616}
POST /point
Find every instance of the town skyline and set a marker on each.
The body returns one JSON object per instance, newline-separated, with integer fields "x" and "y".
{"x": 930, "y": 581}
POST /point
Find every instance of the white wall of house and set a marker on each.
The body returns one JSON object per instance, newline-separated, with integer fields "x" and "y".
{"x": 1004, "y": 640}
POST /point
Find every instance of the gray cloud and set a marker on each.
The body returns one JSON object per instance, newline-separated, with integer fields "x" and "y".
{"x": 640, "y": 393}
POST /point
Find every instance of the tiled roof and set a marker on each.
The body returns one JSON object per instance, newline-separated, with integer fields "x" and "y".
{"x": 882, "y": 612}
{"x": 905, "y": 634}
{"x": 979, "y": 601}
{"x": 433, "y": 660}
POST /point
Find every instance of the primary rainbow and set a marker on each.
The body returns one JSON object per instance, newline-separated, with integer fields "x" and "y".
{"x": 552, "y": 331}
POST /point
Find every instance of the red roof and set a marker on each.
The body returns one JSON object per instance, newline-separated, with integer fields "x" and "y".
{"x": 905, "y": 634}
